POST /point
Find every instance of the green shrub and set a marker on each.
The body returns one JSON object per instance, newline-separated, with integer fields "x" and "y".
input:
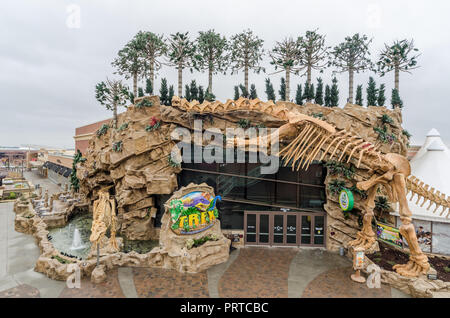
{"x": 335, "y": 186}
{"x": 338, "y": 168}
{"x": 144, "y": 103}
{"x": 244, "y": 123}
{"x": 12, "y": 195}
{"x": 117, "y": 146}
{"x": 386, "y": 119}
{"x": 102, "y": 130}
{"x": 382, "y": 204}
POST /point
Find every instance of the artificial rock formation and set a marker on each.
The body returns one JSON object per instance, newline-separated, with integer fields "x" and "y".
{"x": 136, "y": 160}
{"x": 175, "y": 247}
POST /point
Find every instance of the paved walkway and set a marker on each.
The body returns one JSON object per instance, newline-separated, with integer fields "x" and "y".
{"x": 249, "y": 272}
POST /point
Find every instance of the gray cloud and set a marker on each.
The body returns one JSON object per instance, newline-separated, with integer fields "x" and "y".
{"x": 48, "y": 71}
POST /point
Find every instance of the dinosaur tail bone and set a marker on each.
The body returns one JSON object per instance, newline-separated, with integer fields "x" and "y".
{"x": 415, "y": 186}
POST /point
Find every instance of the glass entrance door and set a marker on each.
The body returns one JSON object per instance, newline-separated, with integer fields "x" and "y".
{"x": 284, "y": 228}
{"x": 278, "y": 237}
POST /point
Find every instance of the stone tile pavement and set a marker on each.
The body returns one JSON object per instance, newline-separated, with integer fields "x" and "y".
{"x": 249, "y": 272}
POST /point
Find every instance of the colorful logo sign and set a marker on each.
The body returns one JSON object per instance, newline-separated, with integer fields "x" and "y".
{"x": 193, "y": 212}
{"x": 346, "y": 200}
{"x": 389, "y": 234}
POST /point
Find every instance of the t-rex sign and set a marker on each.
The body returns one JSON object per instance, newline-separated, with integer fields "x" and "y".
{"x": 194, "y": 212}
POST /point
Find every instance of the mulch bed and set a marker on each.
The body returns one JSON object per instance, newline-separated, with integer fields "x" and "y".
{"x": 388, "y": 256}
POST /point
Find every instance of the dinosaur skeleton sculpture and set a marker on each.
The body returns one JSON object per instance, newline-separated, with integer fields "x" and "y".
{"x": 104, "y": 217}
{"x": 314, "y": 139}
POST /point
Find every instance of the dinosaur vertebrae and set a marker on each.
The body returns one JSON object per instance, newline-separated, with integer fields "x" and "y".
{"x": 415, "y": 186}
{"x": 315, "y": 143}
{"x": 278, "y": 111}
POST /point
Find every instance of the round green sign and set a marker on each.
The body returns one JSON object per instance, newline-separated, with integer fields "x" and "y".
{"x": 346, "y": 200}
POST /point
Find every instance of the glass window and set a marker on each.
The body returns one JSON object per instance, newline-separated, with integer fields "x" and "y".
{"x": 251, "y": 228}
{"x": 230, "y": 186}
{"x": 291, "y": 229}
{"x": 264, "y": 228}
{"x": 261, "y": 191}
{"x": 278, "y": 227}
{"x": 318, "y": 229}
{"x": 306, "y": 229}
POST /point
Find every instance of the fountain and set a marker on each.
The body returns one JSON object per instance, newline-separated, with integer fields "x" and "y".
{"x": 77, "y": 244}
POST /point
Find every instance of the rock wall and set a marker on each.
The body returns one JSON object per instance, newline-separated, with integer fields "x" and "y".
{"x": 142, "y": 169}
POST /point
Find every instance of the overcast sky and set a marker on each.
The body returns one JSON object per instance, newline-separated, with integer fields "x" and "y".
{"x": 50, "y": 63}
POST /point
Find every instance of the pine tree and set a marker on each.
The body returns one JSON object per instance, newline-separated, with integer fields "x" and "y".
{"x": 246, "y": 53}
{"x": 286, "y": 55}
{"x": 131, "y": 62}
{"x": 236, "y": 92}
{"x": 201, "y": 94}
{"x": 131, "y": 97}
{"x": 319, "y": 92}
{"x": 171, "y": 94}
{"x": 299, "y": 95}
{"x": 314, "y": 53}
{"x": 210, "y": 97}
{"x": 397, "y": 58}
{"x": 395, "y": 99}
{"x": 282, "y": 90}
{"x": 253, "y": 93}
{"x": 111, "y": 94}
{"x": 181, "y": 54}
{"x": 140, "y": 92}
{"x": 334, "y": 95}
{"x": 306, "y": 92}
{"x": 359, "y": 98}
{"x": 327, "y": 96}
{"x": 148, "y": 87}
{"x": 381, "y": 98}
{"x": 270, "y": 92}
{"x": 163, "y": 91}
{"x": 153, "y": 47}
{"x": 244, "y": 92}
{"x": 311, "y": 92}
{"x": 371, "y": 93}
{"x": 187, "y": 92}
{"x": 211, "y": 55}
{"x": 194, "y": 90}
{"x": 352, "y": 56}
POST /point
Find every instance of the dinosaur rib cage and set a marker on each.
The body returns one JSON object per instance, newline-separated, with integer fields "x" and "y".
{"x": 315, "y": 143}
{"x": 415, "y": 186}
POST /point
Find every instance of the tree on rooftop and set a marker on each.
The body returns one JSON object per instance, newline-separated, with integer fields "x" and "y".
{"x": 244, "y": 92}
{"x": 193, "y": 90}
{"x": 236, "y": 92}
{"x": 306, "y": 91}
{"x": 140, "y": 92}
{"x": 381, "y": 99}
{"x": 282, "y": 90}
{"x": 313, "y": 54}
{"x": 270, "y": 92}
{"x": 395, "y": 99}
{"x": 311, "y": 92}
{"x": 246, "y": 53}
{"x": 187, "y": 92}
{"x": 352, "y": 56}
{"x": 171, "y": 94}
{"x": 211, "y": 55}
{"x": 318, "y": 99}
{"x": 334, "y": 93}
{"x": 327, "y": 98}
{"x": 112, "y": 94}
{"x": 181, "y": 52}
{"x": 130, "y": 62}
{"x": 299, "y": 95}
{"x": 359, "y": 97}
{"x": 148, "y": 87}
{"x": 398, "y": 57}
{"x": 153, "y": 47}
{"x": 201, "y": 94}
{"x": 163, "y": 92}
{"x": 253, "y": 94}
{"x": 372, "y": 92}
{"x": 286, "y": 56}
